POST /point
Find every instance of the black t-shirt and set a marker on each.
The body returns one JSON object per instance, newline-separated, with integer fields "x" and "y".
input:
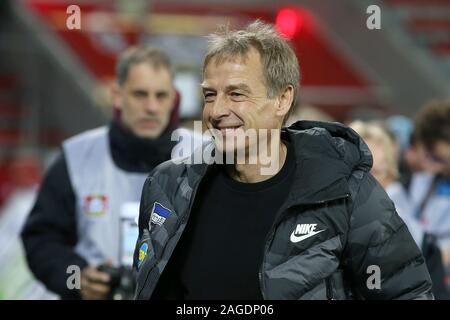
{"x": 221, "y": 250}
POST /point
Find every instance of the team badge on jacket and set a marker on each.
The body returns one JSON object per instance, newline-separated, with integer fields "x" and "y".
{"x": 95, "y": 205}
{"x": 142, "y": 253}
{"x": 159, "y": 213}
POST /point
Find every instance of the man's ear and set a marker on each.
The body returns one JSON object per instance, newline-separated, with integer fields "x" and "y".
{"x": 285, "y": 99}
{"x": 116, "y": 94}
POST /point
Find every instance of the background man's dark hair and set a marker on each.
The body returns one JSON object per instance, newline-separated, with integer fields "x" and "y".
{"x": 433, "y": 123}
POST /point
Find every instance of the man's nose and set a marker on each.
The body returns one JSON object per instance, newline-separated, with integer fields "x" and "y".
{"x": 220, "y": 108}
{"x": 151, "y": 104}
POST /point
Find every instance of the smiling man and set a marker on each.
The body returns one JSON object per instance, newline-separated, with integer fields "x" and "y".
{"x": 313, "y": 229}
{"x": 237, "y": 103}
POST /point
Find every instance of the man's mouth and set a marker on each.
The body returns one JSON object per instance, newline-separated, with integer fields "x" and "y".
{"x": 229, "y": 129}
{"x": 149, "y": 123}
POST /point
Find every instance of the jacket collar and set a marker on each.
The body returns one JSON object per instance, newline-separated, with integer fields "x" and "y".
{"x": 326, "y": 154}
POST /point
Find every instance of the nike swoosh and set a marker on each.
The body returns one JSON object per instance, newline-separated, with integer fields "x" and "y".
{"x": 296, "y": 239}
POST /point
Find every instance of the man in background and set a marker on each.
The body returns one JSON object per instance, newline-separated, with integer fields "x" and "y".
{"x": 85, "y": 212}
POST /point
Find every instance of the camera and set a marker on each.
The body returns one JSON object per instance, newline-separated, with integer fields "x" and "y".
{"x": 122, "y": 282}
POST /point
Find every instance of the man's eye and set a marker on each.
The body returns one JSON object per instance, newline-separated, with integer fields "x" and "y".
{"x": 140, "y": 94}
{"x": 209, "y": 96}
{"x": 237, "y": 96}
{"x": 162, "y": 95}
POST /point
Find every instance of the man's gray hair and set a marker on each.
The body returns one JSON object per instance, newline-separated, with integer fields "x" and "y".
{"x": 279, "y": 61}
{"x": 156, "y": 57}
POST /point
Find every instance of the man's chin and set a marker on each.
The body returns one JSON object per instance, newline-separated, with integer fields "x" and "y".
{"x": 148, "y": 133}
{"x": 231, "y": 152}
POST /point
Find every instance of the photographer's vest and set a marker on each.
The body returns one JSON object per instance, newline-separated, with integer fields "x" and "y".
{"x": 105, "y": 195}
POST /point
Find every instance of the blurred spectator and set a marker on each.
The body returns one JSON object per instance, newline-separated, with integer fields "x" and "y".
{"x": 385, "y": 170}
{"x": 430, "y": 190}
{"x": 433, "y": 128}
{"x": 415, "y": 160}
{"x": 86, "y": 208}
{"x": 401, "y": 127}
{"x": 384, "y": 167}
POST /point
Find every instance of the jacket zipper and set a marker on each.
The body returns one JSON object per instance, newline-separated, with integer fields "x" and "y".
{"x": 267, "y": 240}
{"x": 269, "y": 235}
{"x": 329, "y": 288}
{"x": 345, "y": 196}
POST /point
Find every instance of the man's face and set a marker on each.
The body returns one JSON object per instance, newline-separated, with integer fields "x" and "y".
{"x": 419, "y": 158}
{"x": 236, "y": 97}
{"x": 440, "y": 156}
{"x": 146, "y": 99}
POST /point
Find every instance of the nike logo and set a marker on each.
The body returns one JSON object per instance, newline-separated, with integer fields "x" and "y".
{"x": 304, "y": 231}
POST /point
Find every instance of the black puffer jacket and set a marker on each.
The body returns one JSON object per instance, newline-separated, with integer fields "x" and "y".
{"x": 360, "y": 231}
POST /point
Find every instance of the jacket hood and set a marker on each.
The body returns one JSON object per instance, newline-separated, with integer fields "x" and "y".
{"x": 327, "y": 153}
